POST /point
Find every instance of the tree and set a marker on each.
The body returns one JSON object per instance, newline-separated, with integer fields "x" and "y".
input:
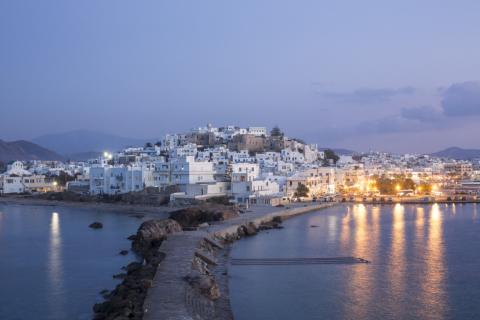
{"x": 63, "y": 178}
{"x": 148, "y": 145}
{"x": 276, "y": 132}
{"x": 302, "y": 191}
{"x": 331, "y": 155}
{"x": 3, "y": 167}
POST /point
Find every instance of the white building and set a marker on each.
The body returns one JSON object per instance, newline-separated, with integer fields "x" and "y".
{"x": 19, "y": 180}
{"x": 120, "y": 179}
{"x": 188, "y": 171}
{"x": 247, "y": 183}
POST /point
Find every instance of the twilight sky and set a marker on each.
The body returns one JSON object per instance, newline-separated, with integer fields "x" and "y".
{"x": 401, "y": 76}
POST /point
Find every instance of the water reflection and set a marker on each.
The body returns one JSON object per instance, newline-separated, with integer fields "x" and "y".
{"x": 345, "y": 231}
{"x": 332, "y": 228}
{"x": 55, "y": 268}
{"x": 433, "y": 295}
{"x": 359, "y": 297}
{"x": 396, "y": 265}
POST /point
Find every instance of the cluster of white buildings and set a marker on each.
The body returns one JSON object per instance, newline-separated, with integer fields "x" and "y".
{"x": 246, "y": 164}
{"x": 207, "y": 162}
{"x": 19, "y": 180}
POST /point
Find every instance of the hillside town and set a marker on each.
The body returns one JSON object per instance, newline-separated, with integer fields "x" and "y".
{"x": 249, "y": 166}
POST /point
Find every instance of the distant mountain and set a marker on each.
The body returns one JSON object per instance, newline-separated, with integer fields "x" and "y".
{"x": 25, "y": 150}
{"x": 83, "y": 156}
{"x": 458, "y": 153}
{"x": 340, "y": 151}
{"x": 82, "y": 141}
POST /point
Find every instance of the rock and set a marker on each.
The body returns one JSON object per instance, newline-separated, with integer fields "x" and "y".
{"x": 124, "y": 252}
{"x": 205, "y": 284}
{"x": 151, "y": 234}
{"x": 250, "y": 229}
{"x": 240, "y": 232}
{"x": 96, "y": 225}
{"x": 132, "y": 237}
{"x": 195, "y": 216}
{"x": 119, "y": 276}
{"x": 134, "y": 266}
{"x": 277, "y": 219}
{"x": 105, "y": 293}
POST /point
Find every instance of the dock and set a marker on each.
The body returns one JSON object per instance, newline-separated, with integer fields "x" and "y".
{"x": 296, "y": 261}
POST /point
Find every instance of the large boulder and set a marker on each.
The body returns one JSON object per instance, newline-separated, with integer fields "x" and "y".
{"x": 96, "y": 225}
{"x": 205, "y": 284}
{"x": 151, "y": 234}
{"x": 195, "y": 216}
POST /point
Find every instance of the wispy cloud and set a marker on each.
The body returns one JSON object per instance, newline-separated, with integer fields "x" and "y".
{"x": 369, "y": 95}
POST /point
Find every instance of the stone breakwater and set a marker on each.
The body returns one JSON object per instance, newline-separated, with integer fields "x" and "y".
{"x": 191, "y": 282}
{"x": 126, "y": 300}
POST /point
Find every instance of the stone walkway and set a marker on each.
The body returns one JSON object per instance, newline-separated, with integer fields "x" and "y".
{"x": 170, "y": 297}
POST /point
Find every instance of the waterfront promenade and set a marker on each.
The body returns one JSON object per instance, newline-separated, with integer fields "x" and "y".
{"x": 170, "y": 297}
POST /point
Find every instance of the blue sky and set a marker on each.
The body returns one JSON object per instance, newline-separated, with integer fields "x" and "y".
{"x": 396, "y": 76}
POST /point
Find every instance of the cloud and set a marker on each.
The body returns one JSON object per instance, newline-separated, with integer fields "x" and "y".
{"x": 389, "y": 124}
{"x": 422, "y": 114}
{"x": 462, "y": 99}
{"x": 369, "y": 95}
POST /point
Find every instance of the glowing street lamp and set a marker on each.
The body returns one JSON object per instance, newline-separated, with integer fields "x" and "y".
{"x": 397, "y": 187}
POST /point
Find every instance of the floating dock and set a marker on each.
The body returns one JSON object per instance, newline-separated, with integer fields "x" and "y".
{"x": 296, "y": 261}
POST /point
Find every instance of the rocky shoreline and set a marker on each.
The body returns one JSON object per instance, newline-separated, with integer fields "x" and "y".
{"x": 126, "y": 300}
{"x": 188, "y": 277}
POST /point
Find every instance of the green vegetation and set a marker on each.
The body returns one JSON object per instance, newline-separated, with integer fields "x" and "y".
{"x": 63, "y": 178}
{"x": 302, "y": 191}
{"x": 276, "y": 132}
{"x": 330, "y": 155}
{"x": 393, "y": 185}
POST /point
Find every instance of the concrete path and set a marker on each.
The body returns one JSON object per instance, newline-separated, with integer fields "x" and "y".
{"x": 170, "y": 297}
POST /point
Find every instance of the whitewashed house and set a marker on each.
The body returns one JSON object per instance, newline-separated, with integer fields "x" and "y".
{"x": 19, "y": 180}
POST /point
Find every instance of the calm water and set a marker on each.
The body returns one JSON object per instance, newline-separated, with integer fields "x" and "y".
{"x": 425, "y": 265}
{"x": 52, "y": 266}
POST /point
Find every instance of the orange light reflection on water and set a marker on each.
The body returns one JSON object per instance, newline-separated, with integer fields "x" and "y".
{"x": 365, "y": 241}
{"x": 434, "y": 295}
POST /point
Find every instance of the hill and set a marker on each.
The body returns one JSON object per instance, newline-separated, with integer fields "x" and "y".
{"x": 25, "y": 150}
{"x": 458, "y": 153}
{"x": 83, "y": 141}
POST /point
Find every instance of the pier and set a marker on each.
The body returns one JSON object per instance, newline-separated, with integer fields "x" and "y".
{"x": 170, "y": 297}
{"x": 296, "y": 261}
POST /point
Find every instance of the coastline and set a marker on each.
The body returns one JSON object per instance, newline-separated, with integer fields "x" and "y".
{"x": 154, "y": 212}
{"x": 172, "y": 297}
